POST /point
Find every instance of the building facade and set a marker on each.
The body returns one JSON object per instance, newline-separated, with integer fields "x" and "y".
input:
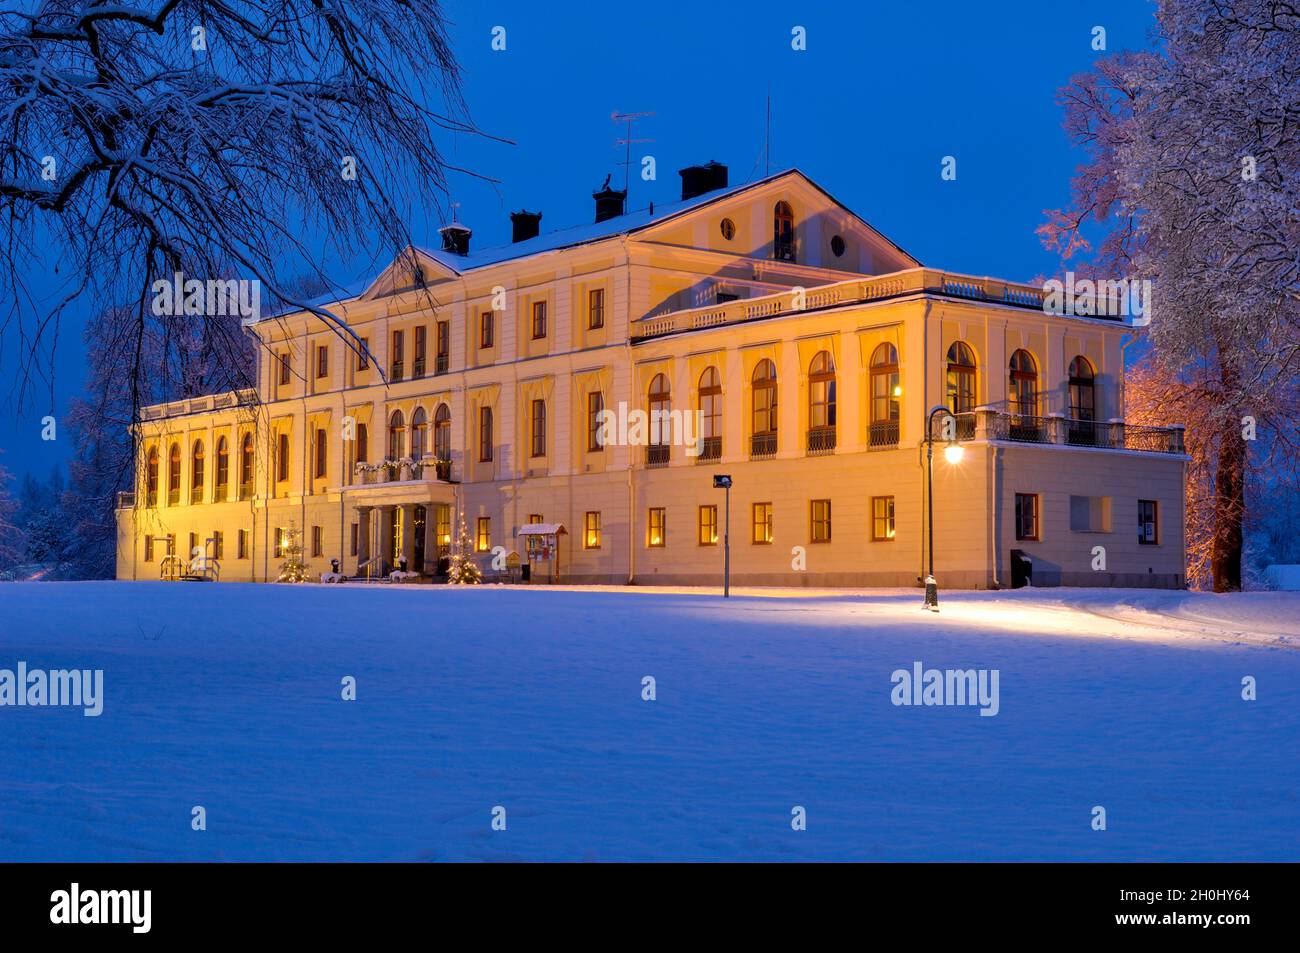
{"x": 805, "y": 350}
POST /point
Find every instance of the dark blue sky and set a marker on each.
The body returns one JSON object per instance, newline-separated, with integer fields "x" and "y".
{"x": 868, "y": 110}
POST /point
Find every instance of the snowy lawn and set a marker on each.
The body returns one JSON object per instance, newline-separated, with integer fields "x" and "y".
{"x": 228, "y": 696}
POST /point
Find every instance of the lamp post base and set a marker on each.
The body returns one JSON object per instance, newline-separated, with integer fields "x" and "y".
{"x": 931, "y": 594}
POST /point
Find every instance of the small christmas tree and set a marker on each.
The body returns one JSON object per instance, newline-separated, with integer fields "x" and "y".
{"x": 292, "y": 569}
{"x": 463, "y": 571}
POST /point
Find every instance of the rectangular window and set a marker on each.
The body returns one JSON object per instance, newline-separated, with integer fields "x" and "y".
{"x": 396, "y": 364}
{"x": 282, "y": 458}
{"x": 321, "y": 448}
{"x": 537, "y": 422}
{"x": 595, "y": 404}
{"x": 483, "y": 534}
{"x": 241, "y": 544}
{"x": 762, "y": 522}
{"x": 444, "y": 348}
{"x": 1027, "y": 516}
{"x": 363, "y": 361}
{"x": 539, "y": 319}
{"x": 1148, "y": 522}
{"x": 442, "y": 528}
{"x": 595, "y": 308}
{"x": 218, "y": 544}
{"x": 486, "y": 325}
{"x": 819, "y": 518}
{"x": 1090, "y": 514}
{"x": 317, "y": 541}
{"x": 193, "y": 552}
{"x": 281, "y": 541}
{"x": 882, "y": 519}
{"x": 656, "y": 527}
{"x": 322, "y": 360}
{"x": 148, "y": 549}
{"x": 355, "y": 538}
{"x": 709, "y": 525}
{"x": 484, "y": 434}
{"x": 421, "y": 346}
{"x": 535, "y": 543}
{"x": 284, "y": 368}
{"x": 591, "y": 530}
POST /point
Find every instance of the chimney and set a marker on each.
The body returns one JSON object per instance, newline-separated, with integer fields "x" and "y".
{"x": 698, "y": 179}
{"x": 526, "y": 225}
{"x": 609, "y": 202}
{"x": 455, "y": 238}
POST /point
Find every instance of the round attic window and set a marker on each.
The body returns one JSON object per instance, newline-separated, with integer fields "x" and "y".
{"x": 728, "y": 229}
{"x": 837, "y": 246}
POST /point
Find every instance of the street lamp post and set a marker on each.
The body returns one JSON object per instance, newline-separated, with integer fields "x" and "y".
{"x": 722, "y": 481}
{"x": 953, "y": 454}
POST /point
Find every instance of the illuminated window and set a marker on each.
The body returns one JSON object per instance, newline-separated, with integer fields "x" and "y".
{"x": 709, "y": 525}
{"x": 783, "y": 232}
{"x": 591, "y": 530}
{"x": 656, "y": 526}
{"x": 885, "y": 394}
{"x": 483, "y": 534}
{"x": 882, "y": 519}
{"x": 762, "y": 522}
{"x": 196, "y": 472}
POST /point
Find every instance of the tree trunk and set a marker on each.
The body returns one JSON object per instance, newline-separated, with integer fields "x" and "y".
{"x": 1229, "y": 510}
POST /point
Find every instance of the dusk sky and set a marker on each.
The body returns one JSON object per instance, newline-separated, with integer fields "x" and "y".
{"x": 881, "y": 94}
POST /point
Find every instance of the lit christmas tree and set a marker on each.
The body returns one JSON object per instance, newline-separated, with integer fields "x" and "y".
{"x": 292, "y": 569}
{"x": 463, "y": 571}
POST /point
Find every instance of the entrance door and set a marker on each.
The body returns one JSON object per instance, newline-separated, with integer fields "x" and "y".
{"x": 417, "y": 541}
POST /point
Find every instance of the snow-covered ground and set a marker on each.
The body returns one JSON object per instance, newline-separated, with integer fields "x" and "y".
{"x": 228, "y": 697}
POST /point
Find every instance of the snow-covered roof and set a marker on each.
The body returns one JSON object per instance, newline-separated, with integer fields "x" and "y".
{"x": 541, "y": 529}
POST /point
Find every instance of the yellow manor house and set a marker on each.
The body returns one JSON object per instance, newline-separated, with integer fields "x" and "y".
{"x": 807, "y": 349}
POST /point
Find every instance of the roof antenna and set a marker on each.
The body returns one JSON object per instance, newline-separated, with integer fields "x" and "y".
{"x": 627, "y": 141}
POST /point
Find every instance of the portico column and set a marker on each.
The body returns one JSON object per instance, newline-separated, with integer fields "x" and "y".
{"x": 363, "y": 535}
{"x": 430, "y": 540}
{"x": 408, "y": 534}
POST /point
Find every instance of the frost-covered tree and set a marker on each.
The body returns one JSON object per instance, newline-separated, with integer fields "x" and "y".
{"x": 1193, "y": 176}
{"x": 213, "y": 139}
{"x": 12, "y": 543}
{"x": 463, "y": 570}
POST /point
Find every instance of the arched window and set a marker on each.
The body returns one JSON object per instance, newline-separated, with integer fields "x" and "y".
{"x": 764, "y": 418}
{"x": 659, "y": 405}
{"x": 174, "y": 474}
{"x": 1022, "y": 395}
{"x": 885, "y": 394}
{"x": 151, "y": 478}
{"x": 711, "y": 414}
{"x": 396, "y": 435}
{"x": 783, "y": 232}
{"x": 419, "y": 433}
{"x": 246, "y": 467}
{"x": 1083, "y": 393}
{"x": 821, "y": 403}
{"x": 196, "y": 472}
{"x": 961, "y": 378}
{"x": 1083, "y": 402}
{"x": 442, "y": 432}
{"x": 223, "y": 468}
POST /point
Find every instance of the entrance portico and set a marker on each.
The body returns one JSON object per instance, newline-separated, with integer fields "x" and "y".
{"x": 409, "y": 520}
